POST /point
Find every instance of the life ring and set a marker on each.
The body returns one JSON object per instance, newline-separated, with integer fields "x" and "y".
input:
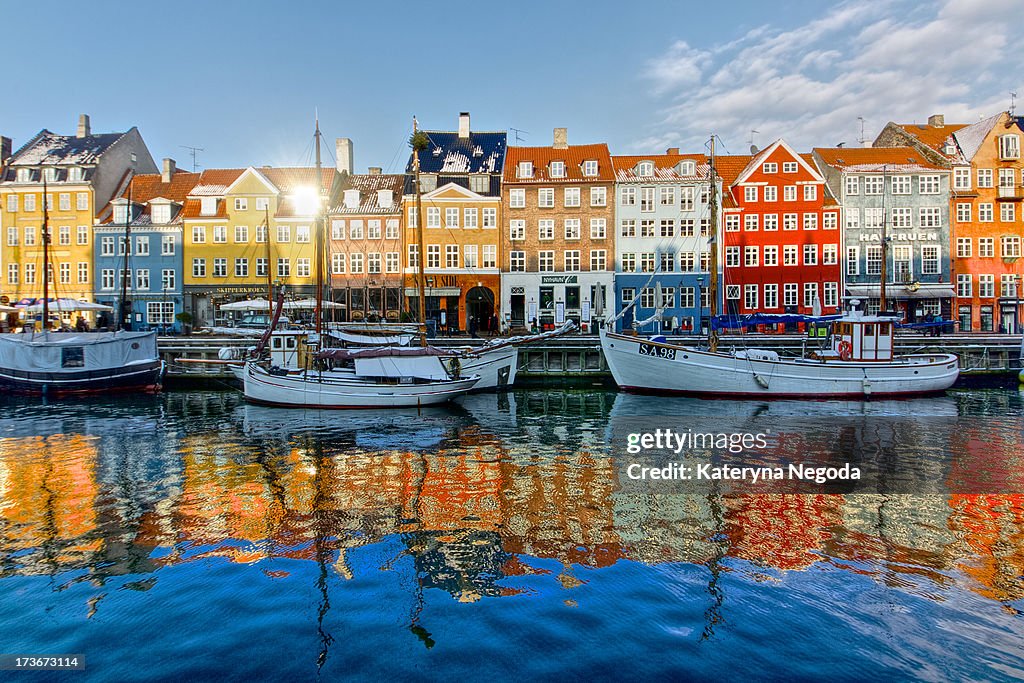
{"x": 845, "y": 350}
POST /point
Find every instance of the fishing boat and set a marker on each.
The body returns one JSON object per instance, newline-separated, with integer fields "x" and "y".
{"x": 858, "y": 360}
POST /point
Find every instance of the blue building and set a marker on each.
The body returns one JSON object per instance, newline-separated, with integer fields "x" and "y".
{"x": 151, "y": 206}
{"x": 662, "y": 237}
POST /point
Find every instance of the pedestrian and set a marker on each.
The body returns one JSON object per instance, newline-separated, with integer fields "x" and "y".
{"x": 472, "y": 327}
{"x": 494, "y": 324}
{"x": 81, "y": 325}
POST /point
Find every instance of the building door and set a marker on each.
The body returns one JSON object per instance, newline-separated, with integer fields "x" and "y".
{"x": 203, "y": 310}
{"x": 518, "y": 310}
{"x": 1009, "y": 321}
{"x": 480, "y": 305}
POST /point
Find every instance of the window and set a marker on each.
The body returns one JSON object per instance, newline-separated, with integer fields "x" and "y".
{"x": 873, "y": 260}
{"x": 732, "y": 257}
{"x": 198, "y": 234}
{"x": 261, "y": 234}
{"x": 647, "y": 262}
{"x": 517, "y": 198}
{"x": 572, "y": 261}
{"x": 647, "y": 228}
{"x": 598, "y": 259}
{"x": 598, "y": 228}
{"x": 64, "y": 235}
{"x": 986, "y": 247}
{"x": 810, "y": 219}
{"x": 207, "y": 206}
{"x": 771, "y": 222}
{"x": 412, "y": 257}
{"x": 598, "y": 196}
{"x": 546, "y": 229}
{"x": 629, "y": 263}
{"x": 12, "y": 203}
{"x": 750, "y": 296}
{"x": 769, "y": 167}
{"x": 810, "y": 254}
{"x": 771, "y": 193}
{"x": 668, "y": 262}
{"x": 667, "y": 227}
{"x": 667, "y": 196}
{"x": 241, "y": 267}
{"x": 355, "y": 262}
{"x": 1010, "y": 246}
{"x": 198, "y": 267}
{"x": 874, "y": 184}
{"x": 732, "y": 292}
{"x": 83, "y": 272}
{"x": 789, "y": 221}
{"x": 1006, "y": 178}
{"x": 284, "y": 267}
{"x": 433, "y": 256}
{"x": 831, "y": 294}
{"x": 1006, "y": 212}
{"x": 241, "y": 204}
{"x": 30, "y": 199}
{"x": 901, "y": 217}
{"x": 451, "y": 256}
{"x": 929, "y": 260}
{"x": 829, "y": 254}
{"x": 929, "y": 217}
{"x": 220, "y": 267}
{"x": 142, "y": 278}
{"x": 546, "y": 261}
{"x": 572, "y": 228}
{"x": 373, "y": 263}
{"x": 928, "y": 184}
{"x": 1009, "y": 147}
{"x": 524, "y": 169}
{"x": 771, "y": 255}
{"x": 1008, "y": 285}
{"x": 830, "y": 221}
{"x": 964, "y": 247}
{"x": 471, "y": 217}
{"x": 789, "y": 193}
{"x": 668, "y": 297}
{"x": 451, "y": 218}
{"x": 750, "y": 193}
{"x": 628, "y": 196}
{"x": 687, "y": 261}
{"x": 572, "y": 196}
{"x": 810, "y": 293}
{"x": 963, "y": 285}
{"x": 479, "y": 183}
{"x": 82, "y": 235}
{"x": 627, "y": 228}
{"x": 159, "y": 312}
{"x": 302, "y": 233}
{"x": 490, "y": 220}
{"x": 433, "y": 217}
{"x": 646, "y": 199}
{"x": 984, "y": 177}
{"x": 517, "y": 230}
{"x": 546, "y": 197}
{"x": 470, "y": 256}
{"x": 732, "y": 224}
{"x": 262, "y": 203}
{"x": 686, "y": 197}
{"x": 810, "y": 193}
{"x": 750, "y": 221}
{"x": 961, "y": 178}
{"x": 107, "y": 280}
{"x": 963, "y": 212}
{"x": 590, "y": 168}
{"x": 106, "y": 246}
{"x": 141, "y": 245}
{"x": 517, "y": 261}
{"x": 986, "y": 286}
{"x": 338, "y": 262}
{"x": 12, "y": 236}
{"x": 262, "y": 266}
{"x": 751, "y": 256}
{"x": 647, "y": 297}
{"x": 900, "y": 184}
{"x": 790, "y": 255}
{"x": 284, "y": 233}
{"x": 852, "y": 185}
{"x": 65, "y": 273}
{"x": 985, "y": 212}
{"x": 853, "y": 260}
{"x": 789, "y": 167}
{"x": 490, "y": 258}
{"x": 391, "y": 262}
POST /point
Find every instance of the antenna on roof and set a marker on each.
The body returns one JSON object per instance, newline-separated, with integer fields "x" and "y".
{"x": 193, "y": 151}
{"x": 517, "y": 131}
{"x": 1013, "y": 102}
{"x": 861, "y": 140}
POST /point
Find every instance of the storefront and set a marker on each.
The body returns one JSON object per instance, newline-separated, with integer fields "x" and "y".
{"x": 546, "y": 301}
{"x": 204, "y": 302}
{"x": 372, "y": 303}
{"x": 452, "y": 301}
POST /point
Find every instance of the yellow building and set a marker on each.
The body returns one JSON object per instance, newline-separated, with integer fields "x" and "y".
{"x": 80, "y": 173}
{"x": 243, "y": 227}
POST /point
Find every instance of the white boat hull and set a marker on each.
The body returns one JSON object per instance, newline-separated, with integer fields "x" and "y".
{"x": 345, "y": 390}
{"x": 497, "y": 367}
{"x": 639, "y": 364}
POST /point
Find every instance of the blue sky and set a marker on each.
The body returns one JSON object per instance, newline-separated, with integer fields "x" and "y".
{"x": 242, "y": 79}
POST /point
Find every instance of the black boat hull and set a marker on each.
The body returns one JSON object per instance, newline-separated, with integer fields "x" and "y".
{"x": 142, "y": 377}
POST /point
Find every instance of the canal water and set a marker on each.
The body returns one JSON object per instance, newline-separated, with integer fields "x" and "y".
{"x": 190, "y": 535}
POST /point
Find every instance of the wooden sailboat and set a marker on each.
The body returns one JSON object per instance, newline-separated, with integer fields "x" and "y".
{"x": 858, "y": 362}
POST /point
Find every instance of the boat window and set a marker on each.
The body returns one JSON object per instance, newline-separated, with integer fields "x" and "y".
{"x": 290, "y": 343}
{"x": 883, "y": 329}
{"x": 72, "y": 357}
{"x": 277, "y": 342}
{"x": 869, "y": 330}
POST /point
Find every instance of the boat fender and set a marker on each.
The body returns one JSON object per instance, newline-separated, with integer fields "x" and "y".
{"x": 867, "y": 386}
{"x": 761, "y": 381}
{"x": 845, "y": 350}
{"x": 229, "y": 353}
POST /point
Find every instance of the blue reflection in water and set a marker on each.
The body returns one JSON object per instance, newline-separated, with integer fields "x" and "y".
{"x": 192, "y": 535}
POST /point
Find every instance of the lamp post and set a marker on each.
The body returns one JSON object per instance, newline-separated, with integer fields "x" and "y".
{"x": 699, "y": 327}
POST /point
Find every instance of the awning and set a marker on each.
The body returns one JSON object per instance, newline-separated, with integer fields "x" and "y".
{"x": 901, "y": 291}
{"x": 434, "y": 291}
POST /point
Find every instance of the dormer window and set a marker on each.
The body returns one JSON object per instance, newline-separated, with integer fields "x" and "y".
{"x": 50, "y": 174}
{"x": 437, "y": 151}
{"x": 208, "y": 206}
{"x": 120, "y": 210}
{"x": 75, "y": 174}
{"x": 590, "y": 168}
{"x": 1009, "y": 147}
{"x": 160, "y": 213}
{"x": 525, "y": 169}
{"x": 351, "y": 199}
{"x": 687, "y": 168}
{"x": 557, "y": 169}
{"x": 384, "y": 199}
{"x": 428, "y": 182}
{"x": 949, "y": 148}
{"x": 645, "y": 168}
{"x": 478, "y": 151}
{"x": 24, "y": 175}
{"x": 479, "y": 183}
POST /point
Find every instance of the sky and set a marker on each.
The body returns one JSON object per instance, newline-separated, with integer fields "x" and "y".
{"x": 243, "y": 80}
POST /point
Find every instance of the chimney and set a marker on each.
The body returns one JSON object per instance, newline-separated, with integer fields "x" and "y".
{"x": 672, "y": 150}
{"x": 343, "y": 151}
{"x": 561, "y": 138}
{"x": 5, "y": 150}
{"x": 169, "y": 168}
{"x": 464, "y": 125}
{"x": 375, "y": 170}
{"x": 84, "y": 129}
{"x": 937, "y": 120}
{"x": 384, "y": 199}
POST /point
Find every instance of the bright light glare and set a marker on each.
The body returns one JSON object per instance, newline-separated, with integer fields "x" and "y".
{"x": 307, "y": 202}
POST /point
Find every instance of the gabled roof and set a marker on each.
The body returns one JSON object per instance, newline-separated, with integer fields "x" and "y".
{"x": 48, "y": 149}
{"x": 876, "y": 159}
{"x": 287, "y": 180}
{"x": 970, "y": 138}
{"x": 148, "y": 187}
{"x": 572, "y": 155}
{"x": 253, "y": 172}
{"x": 664, "y": 167}
{"x": 729, "y": 169}
{"x": 368, "y": 186}
{"x": 931, "y": 136}
{"x": 213, "y": 182}
{"x": 803, "y": 159}
{"x": 481, "y": 152}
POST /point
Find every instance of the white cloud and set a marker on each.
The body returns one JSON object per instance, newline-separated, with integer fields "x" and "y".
{"x": 899, "y": 60}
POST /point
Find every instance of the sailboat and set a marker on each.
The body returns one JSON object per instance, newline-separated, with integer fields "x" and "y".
{"x": 859, "y": 360}
{"x": 60, "y": 363}
{"x": 300, "y": 373}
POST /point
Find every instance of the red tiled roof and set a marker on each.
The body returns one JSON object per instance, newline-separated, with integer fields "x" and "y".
{"x": 151, "y": 185}
{"x": 664, "y": 165}
{"x": 573, "y": 156}
{"x": 212, "y": 183}
{"x": 874, "y": 158}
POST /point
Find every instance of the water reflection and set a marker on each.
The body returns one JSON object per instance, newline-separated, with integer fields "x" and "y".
{"x": 507, "y": 495}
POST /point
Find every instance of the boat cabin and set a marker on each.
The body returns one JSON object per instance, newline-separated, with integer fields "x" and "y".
{"x": 290, "y": 349}
{"x": 859, "y": 337}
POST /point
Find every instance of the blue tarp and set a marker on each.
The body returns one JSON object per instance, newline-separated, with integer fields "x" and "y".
{"x": 726, "y": 322}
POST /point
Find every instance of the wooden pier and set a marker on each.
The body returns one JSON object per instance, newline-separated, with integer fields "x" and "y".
{"x": 581, "y": 357}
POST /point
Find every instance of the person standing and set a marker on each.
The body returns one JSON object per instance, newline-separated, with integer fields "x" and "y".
{"x": 472, "y": 327}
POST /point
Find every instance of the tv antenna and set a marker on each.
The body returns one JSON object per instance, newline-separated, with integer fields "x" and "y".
{"x": 517, "y": 131}
{"x": 1013, "y": 102}
{"x": 861, "y": 139}
{"x": 193, "y": 151}
{"x": 753, "y": 147}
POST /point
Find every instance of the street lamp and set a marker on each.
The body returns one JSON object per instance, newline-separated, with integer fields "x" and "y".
{"x": 699, "y": 327}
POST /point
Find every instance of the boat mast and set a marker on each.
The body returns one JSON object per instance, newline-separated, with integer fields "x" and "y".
{"x": 266, "y": 239}
{"x": 713, "y": 268}
{"x": 420, "y": 255}
{"x": 882, "y": 304}
{"x": 126, "y": 272}
{"x": 318, "y": 223}
{"x": 46, "y": 259}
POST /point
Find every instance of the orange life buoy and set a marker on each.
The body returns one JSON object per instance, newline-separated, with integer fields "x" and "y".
{"x": 845, "y": 350}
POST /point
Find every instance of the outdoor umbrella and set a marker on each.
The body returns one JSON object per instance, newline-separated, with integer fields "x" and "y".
{"x": 66, "y": 305}
{"x": 310, "y": 304}
{"x": 256, "y": 304}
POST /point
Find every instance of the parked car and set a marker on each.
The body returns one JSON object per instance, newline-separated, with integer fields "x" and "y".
{"x": 261, "y": 321}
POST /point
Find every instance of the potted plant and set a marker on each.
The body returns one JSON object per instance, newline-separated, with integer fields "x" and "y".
{"x": 185, "y": 318}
